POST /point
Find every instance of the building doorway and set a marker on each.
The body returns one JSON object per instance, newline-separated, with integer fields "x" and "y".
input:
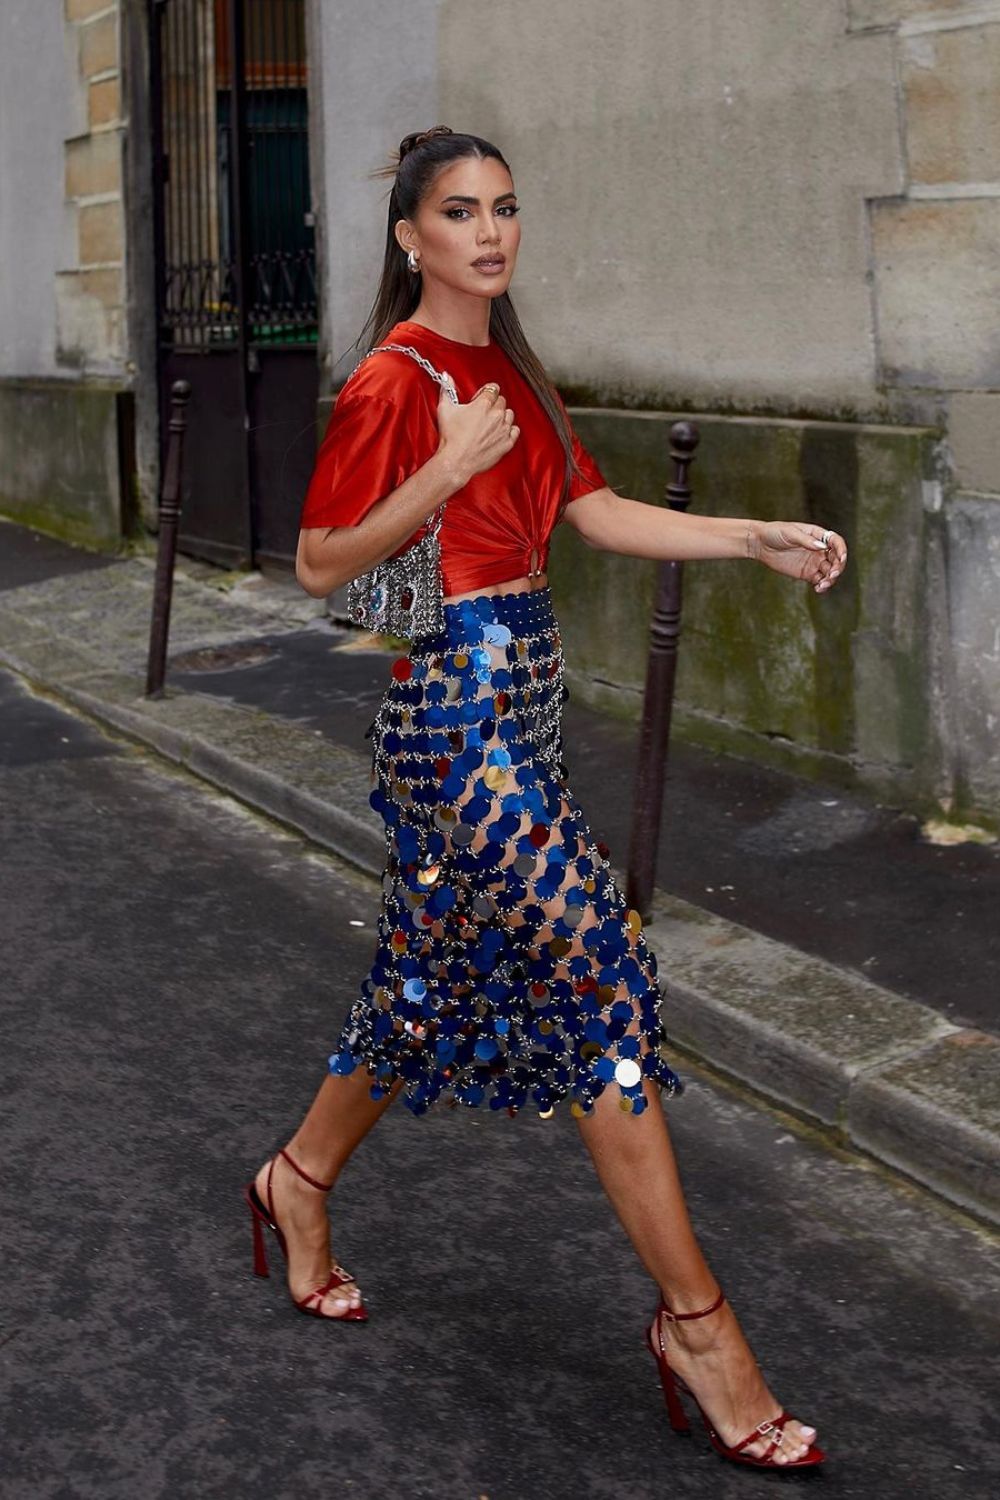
{"x": 237, "y": 310}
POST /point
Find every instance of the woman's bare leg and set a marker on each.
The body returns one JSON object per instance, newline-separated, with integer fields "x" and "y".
{"x": 635, "y": 1162}
{"x": 338, "y": 1119}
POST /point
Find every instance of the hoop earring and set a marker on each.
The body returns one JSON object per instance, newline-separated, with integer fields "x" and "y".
{"x": 411, "y": 261}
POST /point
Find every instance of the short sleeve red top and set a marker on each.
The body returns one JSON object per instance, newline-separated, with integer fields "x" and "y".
{"x": 383, "y": 428}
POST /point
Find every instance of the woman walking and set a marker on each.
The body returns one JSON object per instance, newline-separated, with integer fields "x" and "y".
{"x": 509, "y": 972}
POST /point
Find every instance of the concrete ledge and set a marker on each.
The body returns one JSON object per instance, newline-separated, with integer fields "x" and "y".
{"x": 839, "y": 685}
{"x": 61, "y": 469}
{"x": 936, "y": 1117}
{"x": 317, "y": 788}
{"x": 799, "y": 1029}
{"x": 890, "y": 1076}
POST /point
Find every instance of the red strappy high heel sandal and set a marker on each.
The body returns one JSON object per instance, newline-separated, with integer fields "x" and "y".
{"x": 260, "y": 1215}
{"x": 673, "y": 1384}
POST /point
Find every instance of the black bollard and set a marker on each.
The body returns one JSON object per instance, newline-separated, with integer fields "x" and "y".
{"x": 166, "y": 547}
{"x": 658, "y": 698}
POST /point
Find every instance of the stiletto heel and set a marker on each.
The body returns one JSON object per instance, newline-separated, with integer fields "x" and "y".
{"x": 675, "y": 1407}
{"x": 263, "y": 1216}
{"x": 259, "y": 1252}
{"x": 673, "y": 1384}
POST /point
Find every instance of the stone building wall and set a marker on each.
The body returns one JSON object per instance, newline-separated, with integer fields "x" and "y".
{"x": 90, "y": 288}
{"x": 64, "y": 356}
{"x": 936, "y": 262}
{"x": 786, "y": 220}
{"x": 782, "y": 218}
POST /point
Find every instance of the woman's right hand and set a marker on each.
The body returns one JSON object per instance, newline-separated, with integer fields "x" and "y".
{"x": 476, "y": 435}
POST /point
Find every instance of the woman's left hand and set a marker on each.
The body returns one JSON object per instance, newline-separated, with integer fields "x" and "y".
{"x": 800, "y": 550}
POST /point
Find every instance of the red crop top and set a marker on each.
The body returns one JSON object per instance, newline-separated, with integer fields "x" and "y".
{"x": 384, "y": 427}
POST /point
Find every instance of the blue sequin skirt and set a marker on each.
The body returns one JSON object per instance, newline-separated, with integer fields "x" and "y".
{"x": 508, "y": 967}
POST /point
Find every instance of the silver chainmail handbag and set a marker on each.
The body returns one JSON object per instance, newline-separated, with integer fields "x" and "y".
{"x": 404, "y": 595}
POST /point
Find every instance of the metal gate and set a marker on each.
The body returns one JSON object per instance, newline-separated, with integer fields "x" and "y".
{"x": 236, "y": 267}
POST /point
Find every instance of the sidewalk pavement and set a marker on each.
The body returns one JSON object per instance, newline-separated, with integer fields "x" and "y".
{"x": 811, "y": 944}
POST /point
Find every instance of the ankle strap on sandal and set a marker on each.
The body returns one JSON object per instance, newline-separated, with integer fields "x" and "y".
{"x": 324, "y": 1187}
{"x": 673, "y": 1317}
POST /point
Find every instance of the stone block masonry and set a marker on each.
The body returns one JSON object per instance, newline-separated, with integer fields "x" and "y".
{"x": 937, "y": 271}
{"x": 64, "y": 410}
{"x": 91, "y": 322}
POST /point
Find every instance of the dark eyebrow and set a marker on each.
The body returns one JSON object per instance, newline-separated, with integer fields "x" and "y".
{"x": 462, "y": 198}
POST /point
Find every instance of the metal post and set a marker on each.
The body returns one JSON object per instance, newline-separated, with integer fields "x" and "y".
{"x": 239, "y": 209}
{"x": 166, "y": 547}
{"x": 160, "y": 162}
{"x": 661, "y": 671}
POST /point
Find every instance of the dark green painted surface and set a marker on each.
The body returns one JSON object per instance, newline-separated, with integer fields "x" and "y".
{"x": 840, "y": 683}
{"x": 59, "y": 464}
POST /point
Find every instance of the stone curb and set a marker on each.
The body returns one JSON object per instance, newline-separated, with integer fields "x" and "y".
{"x": 324, "y": 822}
{"x": 887, "y": 1075}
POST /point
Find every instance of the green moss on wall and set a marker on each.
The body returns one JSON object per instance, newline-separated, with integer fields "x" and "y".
{"x": 835, "y": 685}
{"x": 59, "y": 459}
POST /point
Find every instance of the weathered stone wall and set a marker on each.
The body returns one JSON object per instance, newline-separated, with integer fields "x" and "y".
{"x": 843, "y": 685}
{"x": 373, "y": 71}
{"x": 61, "y": 464}
{"x": 31, "y": 220}
{"x": 694, "y": 183}
{"x": 936, "y": 256}
{"x": 729, "y": 212}
{"x": 784, "y": 219}
{"x": 90, "y": 287}
{"x": 63, "y": 337}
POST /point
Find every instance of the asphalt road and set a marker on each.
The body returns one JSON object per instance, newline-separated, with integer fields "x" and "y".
{"x": 174, "y": 970}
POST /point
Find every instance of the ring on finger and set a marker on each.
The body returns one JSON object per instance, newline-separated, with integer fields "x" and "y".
{"x": 825, "y": 538}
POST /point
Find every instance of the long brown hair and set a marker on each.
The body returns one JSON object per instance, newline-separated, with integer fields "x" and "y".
{"x": 421, "y": 156}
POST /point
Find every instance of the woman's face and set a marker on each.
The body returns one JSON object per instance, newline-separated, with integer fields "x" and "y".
{"x": 469, "y": 214}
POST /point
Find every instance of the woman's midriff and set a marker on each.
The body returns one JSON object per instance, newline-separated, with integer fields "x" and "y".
{"x": 524, "y": 585}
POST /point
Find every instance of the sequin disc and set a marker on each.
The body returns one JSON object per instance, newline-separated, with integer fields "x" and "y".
{"x": 627, "y": 1072}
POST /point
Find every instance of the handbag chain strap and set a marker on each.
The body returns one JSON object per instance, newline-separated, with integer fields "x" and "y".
{"x": 442, "y": 380}
{"x": 434, "y": 522}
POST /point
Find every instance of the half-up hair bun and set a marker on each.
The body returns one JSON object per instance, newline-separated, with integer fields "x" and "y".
{"x": 411, "y": 143}
{"x": 418, "y": 137}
